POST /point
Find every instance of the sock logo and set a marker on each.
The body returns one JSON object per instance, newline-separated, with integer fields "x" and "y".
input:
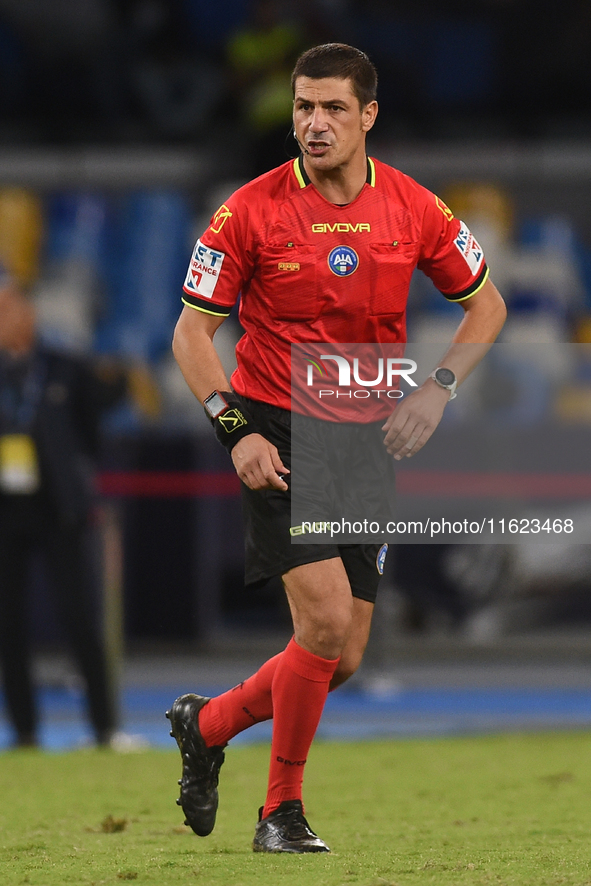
{"x": 291, "y": 762}
{"x": 248, "y": 714}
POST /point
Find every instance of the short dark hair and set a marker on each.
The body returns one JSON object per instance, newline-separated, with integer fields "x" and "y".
{"x": 342, "y": 61}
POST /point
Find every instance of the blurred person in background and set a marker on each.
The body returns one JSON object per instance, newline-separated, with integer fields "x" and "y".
{"x": 266, "y": 243}
{"x": 260, "y": 56}
{"x": 50, "y": 407}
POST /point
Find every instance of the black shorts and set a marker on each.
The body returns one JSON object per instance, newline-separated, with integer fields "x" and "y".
{"x": 268, "y": 520}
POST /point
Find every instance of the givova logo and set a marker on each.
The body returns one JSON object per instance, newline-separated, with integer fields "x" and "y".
{"x": 343, "y": 261}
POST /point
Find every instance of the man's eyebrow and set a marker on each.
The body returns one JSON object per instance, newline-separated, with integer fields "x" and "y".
{"x": 326, "y": 104}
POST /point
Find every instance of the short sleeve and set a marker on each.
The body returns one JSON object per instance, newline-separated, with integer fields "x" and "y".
{"x": 450, "y": 254}
{"x": 220, "y": 263}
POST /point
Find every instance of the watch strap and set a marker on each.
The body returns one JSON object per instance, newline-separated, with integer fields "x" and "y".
{"x": 230, "y": 419}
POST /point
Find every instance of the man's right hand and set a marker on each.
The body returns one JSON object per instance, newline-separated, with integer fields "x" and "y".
{"x": 258, "y": 464}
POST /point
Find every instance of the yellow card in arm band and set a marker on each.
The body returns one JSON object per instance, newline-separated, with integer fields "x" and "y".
{"x": 19, "y": 465}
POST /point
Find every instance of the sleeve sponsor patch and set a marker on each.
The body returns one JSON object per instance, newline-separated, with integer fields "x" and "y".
{"x": 469, "y": 248}
{"x": 204, "y": 271}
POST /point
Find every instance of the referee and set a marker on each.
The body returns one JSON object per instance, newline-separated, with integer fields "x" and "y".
{"x": 321, "y": 249}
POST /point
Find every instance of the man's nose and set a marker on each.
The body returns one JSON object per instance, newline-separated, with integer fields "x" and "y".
{"x": 318, "y": 121}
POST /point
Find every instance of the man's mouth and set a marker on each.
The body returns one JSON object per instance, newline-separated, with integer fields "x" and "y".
{"x": 316, "y": 147}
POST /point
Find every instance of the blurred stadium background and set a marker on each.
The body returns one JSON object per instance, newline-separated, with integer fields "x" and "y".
{"x": 123, "y": 125}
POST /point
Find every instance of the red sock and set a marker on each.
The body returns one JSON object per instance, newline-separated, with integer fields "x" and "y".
{"x": 299, "y": 691}
{"x": 250, "y": 702}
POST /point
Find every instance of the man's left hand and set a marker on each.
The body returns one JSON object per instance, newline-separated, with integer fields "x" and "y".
{"x": 414, "y": 420}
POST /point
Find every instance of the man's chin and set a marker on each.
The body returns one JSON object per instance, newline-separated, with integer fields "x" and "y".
{"x": 321, "y": 162}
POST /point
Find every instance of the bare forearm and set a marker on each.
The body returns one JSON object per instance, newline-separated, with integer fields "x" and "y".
{"x": 416, "y": 417}
{"x": 257, "y": 461}
{"x": 197, "y": 358}
{"x": 482, "y": 322}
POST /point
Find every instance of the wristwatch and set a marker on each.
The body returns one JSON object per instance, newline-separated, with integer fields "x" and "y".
{"x": 230, "y": 418}
{"x": 215, "y": 404}
{"x": 445, "y": 378}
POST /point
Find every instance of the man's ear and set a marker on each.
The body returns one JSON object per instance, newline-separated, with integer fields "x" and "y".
{"x": 368, "y": 116}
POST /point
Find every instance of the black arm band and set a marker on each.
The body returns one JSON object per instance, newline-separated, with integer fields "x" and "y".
{"x": 233, "y": 423}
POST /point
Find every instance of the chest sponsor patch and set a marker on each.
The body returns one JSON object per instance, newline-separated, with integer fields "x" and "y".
{"x": 343, "y": 261}
{"x": 204, "y": 270}
{"x": 470, "y": 249}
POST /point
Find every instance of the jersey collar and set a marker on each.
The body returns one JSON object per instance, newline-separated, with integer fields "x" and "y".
{"x": 304, "y": 179}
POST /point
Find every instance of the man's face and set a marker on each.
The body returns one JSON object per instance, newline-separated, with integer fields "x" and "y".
{"x": 17, "y": 321}
{"x": 329, "y": 121}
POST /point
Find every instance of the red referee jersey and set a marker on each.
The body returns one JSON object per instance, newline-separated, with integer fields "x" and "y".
{"x": 310, "y": 271}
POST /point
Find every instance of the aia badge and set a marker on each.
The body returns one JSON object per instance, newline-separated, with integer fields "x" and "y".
{"x": 381, "y": 559}
{"x": 343, "y": 261}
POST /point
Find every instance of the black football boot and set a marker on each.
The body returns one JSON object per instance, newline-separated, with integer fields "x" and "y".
{"x": 201, "y": 765}
{"x": 286, "y": 830}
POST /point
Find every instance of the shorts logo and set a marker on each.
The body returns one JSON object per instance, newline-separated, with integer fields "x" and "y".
{"x": 288, "y": 266}
{"x": 343, "y": 261}
{"x": 319, "y": 527}
{"x": 220, "y": 218}
{"x": 381, "y": 559}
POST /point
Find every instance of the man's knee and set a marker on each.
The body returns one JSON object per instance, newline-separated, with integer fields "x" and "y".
{"x": 346, "y": 667}
{"x": 352, "y": 654}
{"x": 321, "y": 605}
{"x": 327, "y": 629}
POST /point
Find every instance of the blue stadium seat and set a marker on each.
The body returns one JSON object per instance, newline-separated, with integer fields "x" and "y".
{"x": 147, "y": 264}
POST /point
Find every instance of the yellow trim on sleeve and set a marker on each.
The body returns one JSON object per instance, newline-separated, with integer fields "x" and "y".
{"x": 456, "y": 301}
{"x": 203, "y": 310}
{"x": 298, "y": 173}
{"x": 372, "y": 174}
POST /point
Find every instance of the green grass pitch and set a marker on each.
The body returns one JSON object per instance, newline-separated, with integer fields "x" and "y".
{"x": 495, "y": 811}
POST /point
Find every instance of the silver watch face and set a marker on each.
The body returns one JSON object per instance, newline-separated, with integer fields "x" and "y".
{"x": 445, "y": 377}
{"x": 215, "y": 404}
